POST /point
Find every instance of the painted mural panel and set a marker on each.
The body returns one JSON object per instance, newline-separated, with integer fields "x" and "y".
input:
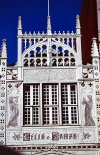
{"x": 12, "y": 104}
{"x": 87, "y": 104}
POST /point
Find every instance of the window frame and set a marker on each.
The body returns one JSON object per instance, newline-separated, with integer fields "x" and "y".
{"x": 59, "y": 105}
{"x": 50, "y": 105}
{"x": 31, "y": 106}
{"x": 70, "y": 105}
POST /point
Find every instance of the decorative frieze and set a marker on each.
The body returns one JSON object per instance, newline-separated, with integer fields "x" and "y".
{"x": 51, "y": 135}
{"x": 49, "y": 75}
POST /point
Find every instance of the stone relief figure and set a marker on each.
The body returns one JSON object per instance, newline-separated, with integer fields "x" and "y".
{"x": 88, "y": 109}
{"x": 14, "y": 111}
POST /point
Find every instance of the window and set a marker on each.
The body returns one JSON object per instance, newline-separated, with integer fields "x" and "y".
{"x": 49, "y": 104}
{"x": 31, "y": 104}
{"x": 69, "y": 104}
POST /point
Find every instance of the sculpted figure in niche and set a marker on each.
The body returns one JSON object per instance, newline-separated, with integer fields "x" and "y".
{"x": 88, "y": 109}
{"x": 14, "y": 111}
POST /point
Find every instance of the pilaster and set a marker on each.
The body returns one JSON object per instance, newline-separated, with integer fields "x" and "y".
{"x": 78, "y": 47}
{"x": 3, "y": 103}
{"x": 95, "y": 63}
{"x": 19, "y": 48}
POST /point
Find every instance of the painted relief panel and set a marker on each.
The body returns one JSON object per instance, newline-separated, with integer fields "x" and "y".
{"x": 88, "y": 72}
{"x": 12, "y": 74}
{"x": 49, "y": 75}
{"x": 87, "y": 104}
{"x": 49, "y": 135}
{"x": 12, "y": 104}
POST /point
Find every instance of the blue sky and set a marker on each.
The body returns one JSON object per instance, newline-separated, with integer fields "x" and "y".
{"x": 34, "y": 18}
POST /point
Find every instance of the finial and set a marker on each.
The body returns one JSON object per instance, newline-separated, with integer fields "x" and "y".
{"x": 34, "y": 33}
{"x": 19, "y": 26}
{"x": 4, "y": 49}
{"x": 48, "y": 25}
{"x": 94, "y": 50}
{"x": 19, "y": 23}
{"x": 78, "y": 24}
{"x": 48, "y": 21}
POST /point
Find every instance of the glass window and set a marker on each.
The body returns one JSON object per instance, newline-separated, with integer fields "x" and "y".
{"x": 50, "y": 104}
{"x": 49, "y": 108}
{"x": 69, "y": 104}
{"x": 31, "y": 104}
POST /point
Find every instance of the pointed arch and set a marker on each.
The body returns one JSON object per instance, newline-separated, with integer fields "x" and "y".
{"x": 61, "y": 55}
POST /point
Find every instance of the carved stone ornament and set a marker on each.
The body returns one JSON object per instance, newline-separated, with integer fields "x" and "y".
{"x": 51, "y": 136}
{"x": 49, "y": 75}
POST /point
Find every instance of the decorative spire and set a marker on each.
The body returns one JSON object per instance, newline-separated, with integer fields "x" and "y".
{"x": 48, "y": 21}
{"x": 94, "y": 50}
{"x": 19, "y": 26}
{"x": 78, "y": 25}
{"x": 4, "y": 49}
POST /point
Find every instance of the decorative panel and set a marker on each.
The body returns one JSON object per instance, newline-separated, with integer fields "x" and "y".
{"x": 51, "y": 135}
{"x": 49, "y": 75}
{"x": 87, "y": 100}
{"x": 88, "y": 72}
{"x": 13, "y": 96}
{"x": 12, "y": 74}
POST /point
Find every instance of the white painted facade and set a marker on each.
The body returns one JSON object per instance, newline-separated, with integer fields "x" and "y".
{"x": 49, "y": 100}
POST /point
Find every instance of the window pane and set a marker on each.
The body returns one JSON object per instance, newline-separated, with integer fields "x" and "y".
{"x": 54, "y": 115}
{"x": 64, "y": 94}
{"x": 46, "y": 94}
{"x": 35, "y": 94}
{"x": 54, "y": 94}
{"x": 35, "y": 116}
{"x": 46, "y": 115}
{"x": 27, "y": 95}
{"x": 74, "y": 115}
{"x": 27, "y": 116}
{"x": 65, "y": 115}
{"x": 73, "y": 95}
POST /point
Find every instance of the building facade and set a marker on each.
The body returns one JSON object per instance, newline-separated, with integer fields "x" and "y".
{"x": 89, "y": 27}
{"x": 49, "y": 100}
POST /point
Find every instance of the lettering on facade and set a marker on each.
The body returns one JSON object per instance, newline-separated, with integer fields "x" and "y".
{"x": 54, "y": 136}
{"x": 58, "y": 136}
{"x": 26, "y": 136}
